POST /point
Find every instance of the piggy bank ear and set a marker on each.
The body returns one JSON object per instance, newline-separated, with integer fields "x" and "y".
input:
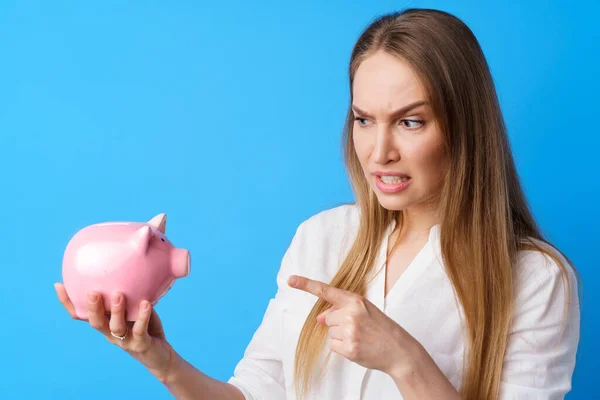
{"x": 159, "y": 222}
{"x": 140, "y": 240}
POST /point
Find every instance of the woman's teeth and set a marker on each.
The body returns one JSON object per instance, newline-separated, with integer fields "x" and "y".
{"x": 393, "y": 179}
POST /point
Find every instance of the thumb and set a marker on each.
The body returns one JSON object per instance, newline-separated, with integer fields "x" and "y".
{"x": 321, "y": 317}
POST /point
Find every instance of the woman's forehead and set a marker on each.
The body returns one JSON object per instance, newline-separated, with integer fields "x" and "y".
{"x": 383, "y": 84}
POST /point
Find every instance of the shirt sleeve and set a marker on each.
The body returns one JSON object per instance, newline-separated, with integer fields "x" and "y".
{"x": 259, "y": 374}
{"x": 544, "y": 335}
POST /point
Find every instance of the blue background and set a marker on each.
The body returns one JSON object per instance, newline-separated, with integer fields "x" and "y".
{"x": 228, "y": 118}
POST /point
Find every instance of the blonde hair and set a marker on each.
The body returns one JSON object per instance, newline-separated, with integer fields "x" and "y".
{"x": 485, "y": 218}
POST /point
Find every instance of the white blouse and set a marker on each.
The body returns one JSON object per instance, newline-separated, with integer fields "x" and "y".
{"x": 538, "y": 364}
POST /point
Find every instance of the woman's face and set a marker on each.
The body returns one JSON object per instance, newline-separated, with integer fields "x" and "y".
{"x": 395, "y": 133}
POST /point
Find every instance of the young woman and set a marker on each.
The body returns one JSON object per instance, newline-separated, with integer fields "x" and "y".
{"x": 435, "y": 284}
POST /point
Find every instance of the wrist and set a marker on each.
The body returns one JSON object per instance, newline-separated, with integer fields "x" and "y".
{"x": 408, "y": 364}
{"x": 406, "y": 374}
{"x": 167, "y": 372}
{"x": 418, "y": 377}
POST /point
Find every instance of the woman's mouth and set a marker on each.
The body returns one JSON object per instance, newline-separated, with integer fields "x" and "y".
{"x": 392, "y": 184}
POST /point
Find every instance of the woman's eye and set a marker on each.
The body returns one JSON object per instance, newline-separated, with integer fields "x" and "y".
{"x": 408, "y": 123}
{"x": 361, "y": 121}
{"x": 411, "y": 123}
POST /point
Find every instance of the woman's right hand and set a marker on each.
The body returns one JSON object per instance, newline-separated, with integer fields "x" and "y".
{"x": 144, "y": 339}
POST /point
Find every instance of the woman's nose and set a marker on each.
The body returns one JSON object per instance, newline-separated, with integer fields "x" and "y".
{"x": 385, "y": 149}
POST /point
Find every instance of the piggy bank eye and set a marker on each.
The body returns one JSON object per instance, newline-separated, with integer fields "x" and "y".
{"x": 162, "y": 239}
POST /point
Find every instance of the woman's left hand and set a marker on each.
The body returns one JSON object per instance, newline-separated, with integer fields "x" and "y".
{"x": 360, "y": 331}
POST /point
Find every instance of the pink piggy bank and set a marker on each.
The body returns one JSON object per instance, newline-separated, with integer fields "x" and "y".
{"x": 134, "y": 258}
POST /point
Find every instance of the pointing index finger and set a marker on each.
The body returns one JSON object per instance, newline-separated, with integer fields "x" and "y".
{"x": 322, "y": 290}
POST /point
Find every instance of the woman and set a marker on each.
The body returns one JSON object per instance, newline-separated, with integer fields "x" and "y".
{"x": 436, "y": 284}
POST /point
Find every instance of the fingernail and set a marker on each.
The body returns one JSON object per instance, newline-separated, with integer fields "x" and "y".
{"x": 116, "y": 299}
{"x": 145, "y": 305}
{"x": 92, "y": 298}
{"x": 293, "y": 281}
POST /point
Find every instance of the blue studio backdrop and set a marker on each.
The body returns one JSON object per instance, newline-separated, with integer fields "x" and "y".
{"x": 228, "y": 116}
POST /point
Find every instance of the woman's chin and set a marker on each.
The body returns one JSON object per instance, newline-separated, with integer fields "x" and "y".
{"x": 392, "y": 203}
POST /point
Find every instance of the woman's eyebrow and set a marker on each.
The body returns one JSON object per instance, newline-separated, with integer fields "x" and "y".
{"x": 396, "y": 113}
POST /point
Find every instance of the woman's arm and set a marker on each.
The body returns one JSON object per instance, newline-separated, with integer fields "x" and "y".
{"x": 422, "y": 379}
{"x": 185, "y": 382}
{"x": 364, "y": 334}
{"x": 259, "y": 374}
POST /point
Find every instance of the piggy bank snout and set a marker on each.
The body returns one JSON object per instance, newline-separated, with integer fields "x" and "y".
{"x": 180, "y": 262}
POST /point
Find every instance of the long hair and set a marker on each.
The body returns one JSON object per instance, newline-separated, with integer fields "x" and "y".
{"x": 484, "y": 216}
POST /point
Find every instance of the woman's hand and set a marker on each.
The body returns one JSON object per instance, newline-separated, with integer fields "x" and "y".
{"x": 144, "y": 339}
{"x": 360, "y": 331}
